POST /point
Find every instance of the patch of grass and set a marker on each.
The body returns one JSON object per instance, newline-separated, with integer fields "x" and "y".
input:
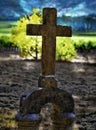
{"x": 5, "y": 27}
{"x": 85, "y": 38}
{"x": 7, "y": 23}
{"x": 84, "y": 34}
{"x": 5, "y": 30}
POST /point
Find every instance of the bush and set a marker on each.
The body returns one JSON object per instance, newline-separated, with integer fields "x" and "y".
{"x": 65, "y": 49}
{"x": 27, "y": 44}
{"x": 5, "y": 41}
{"x": 84, "y": 45}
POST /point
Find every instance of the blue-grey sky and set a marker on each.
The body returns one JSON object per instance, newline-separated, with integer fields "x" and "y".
{"x": 64, "y": 7}
{"x": 71, "y": 8}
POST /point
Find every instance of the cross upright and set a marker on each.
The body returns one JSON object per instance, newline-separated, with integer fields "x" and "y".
{"x": 31, "y": 104}
{"x": 49, "y": 30}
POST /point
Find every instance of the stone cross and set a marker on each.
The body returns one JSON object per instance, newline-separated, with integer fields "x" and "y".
{"x": 49, "y": 30}
{"x": 62, "y": 115}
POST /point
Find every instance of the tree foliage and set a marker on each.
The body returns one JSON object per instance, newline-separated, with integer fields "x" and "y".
{"x": 26, "y": 43}
{"x": 65, "y": 49}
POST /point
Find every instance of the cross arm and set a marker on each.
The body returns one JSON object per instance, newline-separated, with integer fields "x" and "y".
{"x": 63, "y": 31}
{"x": 34, "y": 29}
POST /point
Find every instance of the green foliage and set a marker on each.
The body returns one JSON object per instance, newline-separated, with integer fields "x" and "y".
{"x": 85, "y": 40}
{"x": 65, "y": 49}
{"x": 27, "y": 43}
{"x": 5, "y": 41}
{"x": 84, "y": 44}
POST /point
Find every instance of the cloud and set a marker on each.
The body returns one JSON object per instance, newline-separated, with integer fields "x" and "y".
{"x": 78, "y": 10}
{"x": 64, "y": 7}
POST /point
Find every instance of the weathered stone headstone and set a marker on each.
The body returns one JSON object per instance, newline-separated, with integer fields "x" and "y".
{"x": 48, "y": 92}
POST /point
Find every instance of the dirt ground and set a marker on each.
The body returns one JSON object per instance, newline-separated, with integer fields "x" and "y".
{"x": 18, "y": 76}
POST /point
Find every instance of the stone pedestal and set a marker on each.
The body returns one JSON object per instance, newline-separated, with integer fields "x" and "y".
{"x": 62, "y": 115}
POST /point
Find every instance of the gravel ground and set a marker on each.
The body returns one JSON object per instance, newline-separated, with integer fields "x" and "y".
{"x": 79, "y": 79}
